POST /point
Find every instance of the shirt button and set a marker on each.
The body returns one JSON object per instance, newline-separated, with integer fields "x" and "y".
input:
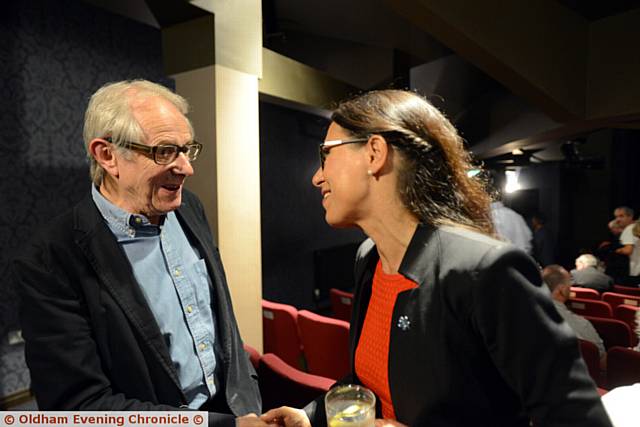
{"x": 210, "y": 380}
{"x": 203, "y": 346}
{"x": 177, "y": 272}
{"x": 189, "y": 309}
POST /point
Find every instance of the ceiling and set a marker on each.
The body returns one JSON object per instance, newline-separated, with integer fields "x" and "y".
{"x": 515, "y": 74}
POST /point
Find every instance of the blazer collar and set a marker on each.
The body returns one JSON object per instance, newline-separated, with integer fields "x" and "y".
{"x": 424, "y": 245}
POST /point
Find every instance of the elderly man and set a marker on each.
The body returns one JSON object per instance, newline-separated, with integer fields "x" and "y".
{"x": 559, "y": 282}
{"x": 587, "y": 275}
{"x": 125, "y": 302}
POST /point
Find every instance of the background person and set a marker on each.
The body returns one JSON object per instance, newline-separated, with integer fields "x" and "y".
{"x": 450, "y": 327}
{"x": 631, "y": 247}
{"x": 587, "y": 275}
{"x": 559, "y": 282}
{"x": 543, "y": 242}
{"x": 125, "y": 304}
{"x": 509, "y": 225}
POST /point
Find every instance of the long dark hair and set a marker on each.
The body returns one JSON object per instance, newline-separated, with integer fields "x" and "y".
{"x": 433, "y": 182}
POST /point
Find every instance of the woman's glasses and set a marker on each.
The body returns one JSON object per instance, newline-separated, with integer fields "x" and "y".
{"x": 325, "y": 147}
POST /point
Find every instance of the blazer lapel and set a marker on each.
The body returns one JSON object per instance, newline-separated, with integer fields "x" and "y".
{"x": 195, "y": 231}
{"x": 115, "y": 274}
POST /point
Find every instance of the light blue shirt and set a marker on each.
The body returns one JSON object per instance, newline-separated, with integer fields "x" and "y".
{"x": 176, "y": 285}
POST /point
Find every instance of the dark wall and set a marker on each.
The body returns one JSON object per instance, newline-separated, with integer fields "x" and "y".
{"x": 53, "y": 56}
{"x": 625, "y": 187}
{"x": 578, "y": 201}
{"x": 293, "y": 225}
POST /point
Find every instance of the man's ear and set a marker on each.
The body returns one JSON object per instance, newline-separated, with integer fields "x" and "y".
{"x": 103, "y": 152}
{"x": 377, "y": 154}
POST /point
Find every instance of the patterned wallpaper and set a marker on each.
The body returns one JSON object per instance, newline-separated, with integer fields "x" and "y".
{"x": 53, "y": 56}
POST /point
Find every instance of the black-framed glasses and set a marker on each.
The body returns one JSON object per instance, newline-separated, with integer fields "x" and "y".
{"x": 163, "y": 154}
{"x": 325, "y": 147}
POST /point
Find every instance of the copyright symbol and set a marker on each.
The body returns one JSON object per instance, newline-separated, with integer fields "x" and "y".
{"x": 9, "y": 419}
{"x": 198, "y": 419}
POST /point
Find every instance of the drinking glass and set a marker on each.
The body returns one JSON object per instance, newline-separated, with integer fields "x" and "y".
{"x": 350, "y": 406}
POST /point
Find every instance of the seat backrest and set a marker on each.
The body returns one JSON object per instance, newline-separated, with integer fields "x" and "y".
{"x": 589, "y": 307}
{"x": 326, "y": 344}
{"x": 626, "y": 290}
{"x": 615, "y": 299}
{"x": 341, "y": 304}
{"x": 584, "y": 293}
{"x": 623, "y": 367}
{"x": 281, "y": 384}
{"x": 280, "y": 332}
{"x": 627, "y": 313}
{"x": 254, "y": 356}
{"x": 612, "y": 331}
{"x": 591, "y": 358}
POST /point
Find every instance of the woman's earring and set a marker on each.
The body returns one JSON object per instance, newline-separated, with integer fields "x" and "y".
{"x": 369, "y": 172}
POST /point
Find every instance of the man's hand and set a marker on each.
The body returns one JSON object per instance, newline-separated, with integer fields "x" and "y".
{"x": 252, "y": 420}
{"x": 388, "y": 423}
{"x": 287, "y": 417}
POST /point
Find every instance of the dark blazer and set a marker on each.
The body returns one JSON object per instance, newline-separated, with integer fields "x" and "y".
{"x": 92, "y": 342}
{"x": 480, "y": 343}
{"x": 590, "y": 277}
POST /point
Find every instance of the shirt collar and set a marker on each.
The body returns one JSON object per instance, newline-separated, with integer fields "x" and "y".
{"x": 124, "y": 225}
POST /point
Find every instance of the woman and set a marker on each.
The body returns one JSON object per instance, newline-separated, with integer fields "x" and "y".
{"x": 450, "y": 327}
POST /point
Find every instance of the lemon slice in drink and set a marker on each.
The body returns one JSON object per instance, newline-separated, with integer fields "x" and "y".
{"x": 341, "y": 419}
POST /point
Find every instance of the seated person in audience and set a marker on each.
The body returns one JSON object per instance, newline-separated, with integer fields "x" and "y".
{"x": 587, "y": 274}
{"x": 559, "y": 282}
{"x": 450, "y": 326}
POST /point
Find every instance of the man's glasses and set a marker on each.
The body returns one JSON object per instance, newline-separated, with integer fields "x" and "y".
{"x": 163, "y": 154}
{"x": 325, "y": 147}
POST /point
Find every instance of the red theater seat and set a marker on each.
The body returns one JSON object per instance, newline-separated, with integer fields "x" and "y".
{"x": 623, "y": 367}
{"x": 280, "y": 332}
{"x": 612, "y": 331}
{"x": 584, "y": 293}
{"x": 588, "y": 307}
{"x": 627, "y": 313}
{"x": 615, "y": 299}
{"x": 281, "y": 384}
{"x": 626, "y": 290}
{"x": 591, "y": 358}
{"x": 326, "y": 344}
{"x": 341, "y": 304}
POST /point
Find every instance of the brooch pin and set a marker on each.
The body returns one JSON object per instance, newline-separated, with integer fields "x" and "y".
{"x": 404, "y": 323}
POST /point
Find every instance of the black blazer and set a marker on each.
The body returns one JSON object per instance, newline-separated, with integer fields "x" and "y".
{"x": 480, "y": 343}
{"x": 92, "y": 342}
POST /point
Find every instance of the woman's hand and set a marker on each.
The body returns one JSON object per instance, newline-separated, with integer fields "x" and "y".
{"x": 287, "y": 417}
{"x": 388, "y": 423}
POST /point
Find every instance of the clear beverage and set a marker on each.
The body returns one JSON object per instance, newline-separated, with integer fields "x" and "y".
{"x": 350, "y": 406}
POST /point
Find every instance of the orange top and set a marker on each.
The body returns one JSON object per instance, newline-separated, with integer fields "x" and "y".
{"x": 372, "y": 353}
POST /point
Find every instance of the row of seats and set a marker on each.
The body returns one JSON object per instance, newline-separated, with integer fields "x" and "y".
{"x": 623, "y": 365}
{"x": 305, "y": 340}
{"x": 622, "y": 295}
{"x": 616, "y": 306}
{"x": 284, "y": 385}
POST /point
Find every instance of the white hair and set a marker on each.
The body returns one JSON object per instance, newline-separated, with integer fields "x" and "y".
{"x": 109, "y": 115}
{"x": 588, "y": 260}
